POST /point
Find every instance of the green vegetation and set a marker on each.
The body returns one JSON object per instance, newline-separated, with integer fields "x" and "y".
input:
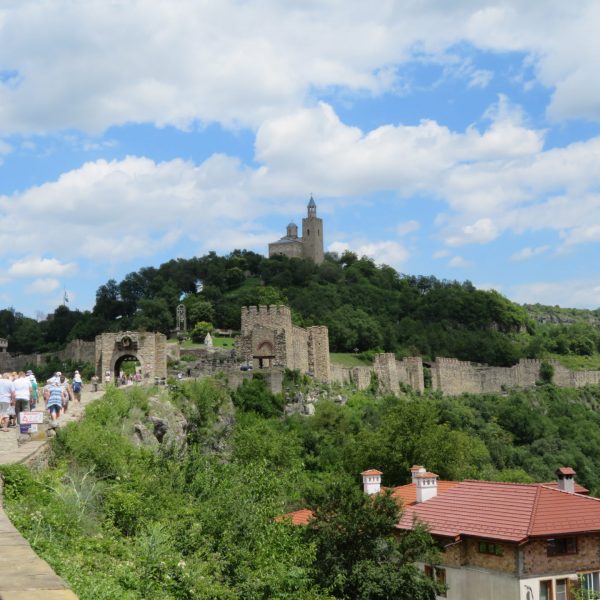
{"x": 346, "y": 359}
{"x": 123, "y": 519}
{"x": 365, "y": 307}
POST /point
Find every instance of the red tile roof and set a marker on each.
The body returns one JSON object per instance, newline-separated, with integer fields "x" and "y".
{"x": 579, "y": 489}
{"x": 407, "y": 494}
{"x": 372, "y": 472}
{"x": 502, "y": 511}
{"x": 566, "y": 471}
{"x": 298, "y": 517}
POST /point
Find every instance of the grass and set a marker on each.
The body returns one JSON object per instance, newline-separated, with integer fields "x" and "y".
{"x": 347, "y": 359}
{"x": 578, "y": 363}
{"x": 218, "y": 342}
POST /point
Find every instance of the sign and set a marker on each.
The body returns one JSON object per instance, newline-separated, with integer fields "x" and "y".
{"x": 31, "y": 416}
{"x": 24, "y": 428}
{"x": 33, "y": 428}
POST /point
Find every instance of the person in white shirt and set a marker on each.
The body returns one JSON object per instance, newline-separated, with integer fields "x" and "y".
{"x": 23, "y": 394}
{"x": 7, "y": 397}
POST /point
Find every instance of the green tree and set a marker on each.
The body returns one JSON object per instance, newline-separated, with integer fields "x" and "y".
{"x": 153, "y": 315}
{"x": 201, "y": 330}
{"x": 357, "y": 554}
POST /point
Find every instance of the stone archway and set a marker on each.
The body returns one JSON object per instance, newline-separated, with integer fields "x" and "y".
{"x": 264, "y": 355}
{"x": 122, "y": 357}
{"x": 150, "y": 349}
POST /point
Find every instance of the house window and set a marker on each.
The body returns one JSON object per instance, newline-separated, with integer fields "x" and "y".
{"x": 590, "y": 582}
{"x": 562, "y": 589}
{"x": 491, "y": 548}
{"x": 438, "y": 574}
{"x": 546, "y": 590}
{"x": 560, "y": 546}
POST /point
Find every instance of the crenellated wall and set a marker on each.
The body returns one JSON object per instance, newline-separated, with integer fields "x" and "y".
{"x": 269, "y": 339}
{"x": 452, "y": 376}
{"x": 77, "y": 351}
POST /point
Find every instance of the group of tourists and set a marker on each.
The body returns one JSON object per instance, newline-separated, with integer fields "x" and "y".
{"x": 19, "y": 392}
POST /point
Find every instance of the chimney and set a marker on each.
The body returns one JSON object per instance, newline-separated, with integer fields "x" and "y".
{"x": 566, "y": 479}
{"x": 416, "y": 470}
{"x": 426, "y": 486}
{"x": 371, "y": 481}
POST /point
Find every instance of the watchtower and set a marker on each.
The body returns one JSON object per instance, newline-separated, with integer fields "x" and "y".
{"x": 312, "y": 234}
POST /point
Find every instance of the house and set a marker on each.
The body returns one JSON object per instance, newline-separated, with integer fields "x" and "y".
{"x": 502, "y": 541}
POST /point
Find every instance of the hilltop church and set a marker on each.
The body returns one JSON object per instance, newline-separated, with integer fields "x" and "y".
{"x": 310, "y": 245}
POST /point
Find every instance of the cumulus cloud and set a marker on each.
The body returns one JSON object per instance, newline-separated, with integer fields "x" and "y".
{"x": 408, "y": 227}
{"x": 42, "y": 286}
{"x": 35, "y": 266}
{"x": 577, "y": 293}
{"x": 458, "y": 262}
{"x": 527, "y": 253}
{"x": 385, "y": 252}
{"x": 238, "y": 63}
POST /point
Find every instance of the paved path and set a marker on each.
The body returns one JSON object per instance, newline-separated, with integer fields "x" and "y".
{"x": 23, "y": 575}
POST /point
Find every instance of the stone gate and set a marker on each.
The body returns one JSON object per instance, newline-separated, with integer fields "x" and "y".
{"x": 150, "y": 349}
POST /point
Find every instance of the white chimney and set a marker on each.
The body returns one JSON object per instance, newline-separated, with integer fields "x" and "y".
{"x": 566, "y": 479}
{"x": 426, "y": 486}
{"x": 371, "y": 481}
{"x": 416, "y": 470}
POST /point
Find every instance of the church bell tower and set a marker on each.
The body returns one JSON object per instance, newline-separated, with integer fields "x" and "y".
{"x": 312, "y": 234}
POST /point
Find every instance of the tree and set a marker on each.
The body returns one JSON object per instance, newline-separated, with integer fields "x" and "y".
{"x": 358, "y": 555}
{"x": 198, "y": 310}
{"x": 153, "y": 315}
{"x": 201, "y": 330}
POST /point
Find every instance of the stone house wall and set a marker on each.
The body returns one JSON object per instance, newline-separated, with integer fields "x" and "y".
{"x": 537, "y": 562}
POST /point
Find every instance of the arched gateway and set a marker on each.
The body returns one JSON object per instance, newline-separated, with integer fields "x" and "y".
{"x": 149, "y": 349}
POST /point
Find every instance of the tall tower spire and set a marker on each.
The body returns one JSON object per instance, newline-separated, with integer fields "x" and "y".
{"x": 312, "y": 233}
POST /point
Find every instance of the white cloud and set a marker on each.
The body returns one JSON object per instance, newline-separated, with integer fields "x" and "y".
{"x": 385, "y": 252}
{"x": 35, "y": 266}
{"x": 100, "y": 63}
{"x": 480, "y": 232}
{"x": 441, "y": 254}
{"x": 42, "y": 286}
{"x": 408, "y": 227}
{"x": 458, "y": 262}
{"x": 576, "y": 293}
{"x": 527, "y": 253}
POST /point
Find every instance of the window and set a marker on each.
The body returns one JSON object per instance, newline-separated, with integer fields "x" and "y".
{"x": 546, "y": 590}
{"x": 590, "y": 582}
{"x": 562, "y": 589}
{"x": 491, "y": 548}
{"x": 438, "y": 574}
{"x": 560, "y": 546}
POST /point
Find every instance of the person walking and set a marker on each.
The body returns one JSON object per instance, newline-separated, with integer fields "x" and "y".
{"x": 55, "y": 395}
{"x": 23, "y": 394}
{"x": 77, "y": 386}
{"x": 34, "y": 389}
{"x": 68, "y": 395}
{"x": 7, "y": 399}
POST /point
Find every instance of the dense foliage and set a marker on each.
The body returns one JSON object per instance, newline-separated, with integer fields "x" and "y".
{"x": 122, "y": 520}
{"x": 364, "y": 306}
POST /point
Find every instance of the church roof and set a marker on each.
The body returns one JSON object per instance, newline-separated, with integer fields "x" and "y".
{"x": 312, "y": 203}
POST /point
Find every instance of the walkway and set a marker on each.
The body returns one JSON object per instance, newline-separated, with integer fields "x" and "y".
{"x": 23, "y": 575}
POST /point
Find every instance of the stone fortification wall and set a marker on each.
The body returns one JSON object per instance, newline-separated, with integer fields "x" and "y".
{"x": 360, "y": 377}
{"x": 318, "y": 353}
{"x": 410, "y": 372}
{"x": 272, "y": 377}
{"x": 149, "y": 348}
{"x": 384, "y": 366}
{"x": 77, "y": 351}
{"x": 272, "y": 317}
{"x": 453, "y": 377}
{"x": 298, "y": 345}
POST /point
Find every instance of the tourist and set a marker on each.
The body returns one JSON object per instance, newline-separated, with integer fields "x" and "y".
{"x": 77, "y": 386}
{"x": 68, "y": 395}
{"x": 34, "y": 389}
{"x": 95, "y": 380}
{"x": 12, "y": 414}
{"x": 107, "y": 377}
{"x": 55, "y": 396}
{"x": 7, "y": 398}
{"x": 23, "y": 394}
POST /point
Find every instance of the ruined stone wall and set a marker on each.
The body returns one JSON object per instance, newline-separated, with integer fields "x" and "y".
{"x": 272, "y": 317}
{"x": 318, "y": 353}
{"x": 77, "y": 351}
{"x": 272, "y": 377}
{"x": 453, "y": 377}
{"x": 298, "y": 350}
{"x": 384, "y": 366}
{"x": 413, "y": 366}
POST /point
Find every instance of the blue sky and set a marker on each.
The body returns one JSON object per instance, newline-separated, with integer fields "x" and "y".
{"x": 456, "y": 139}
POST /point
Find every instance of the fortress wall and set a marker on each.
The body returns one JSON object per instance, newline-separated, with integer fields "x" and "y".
{"x": 273, "y": 317}
{"x": 318, "y": 353}
{"x": 410, "y": 372}
{"x": 384, "y": 366}
{"x": 299, "y": 349}
{"x": 452, "y": 376}
{"x": 361, "y": 377}
{"x": 339, "y": 374}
